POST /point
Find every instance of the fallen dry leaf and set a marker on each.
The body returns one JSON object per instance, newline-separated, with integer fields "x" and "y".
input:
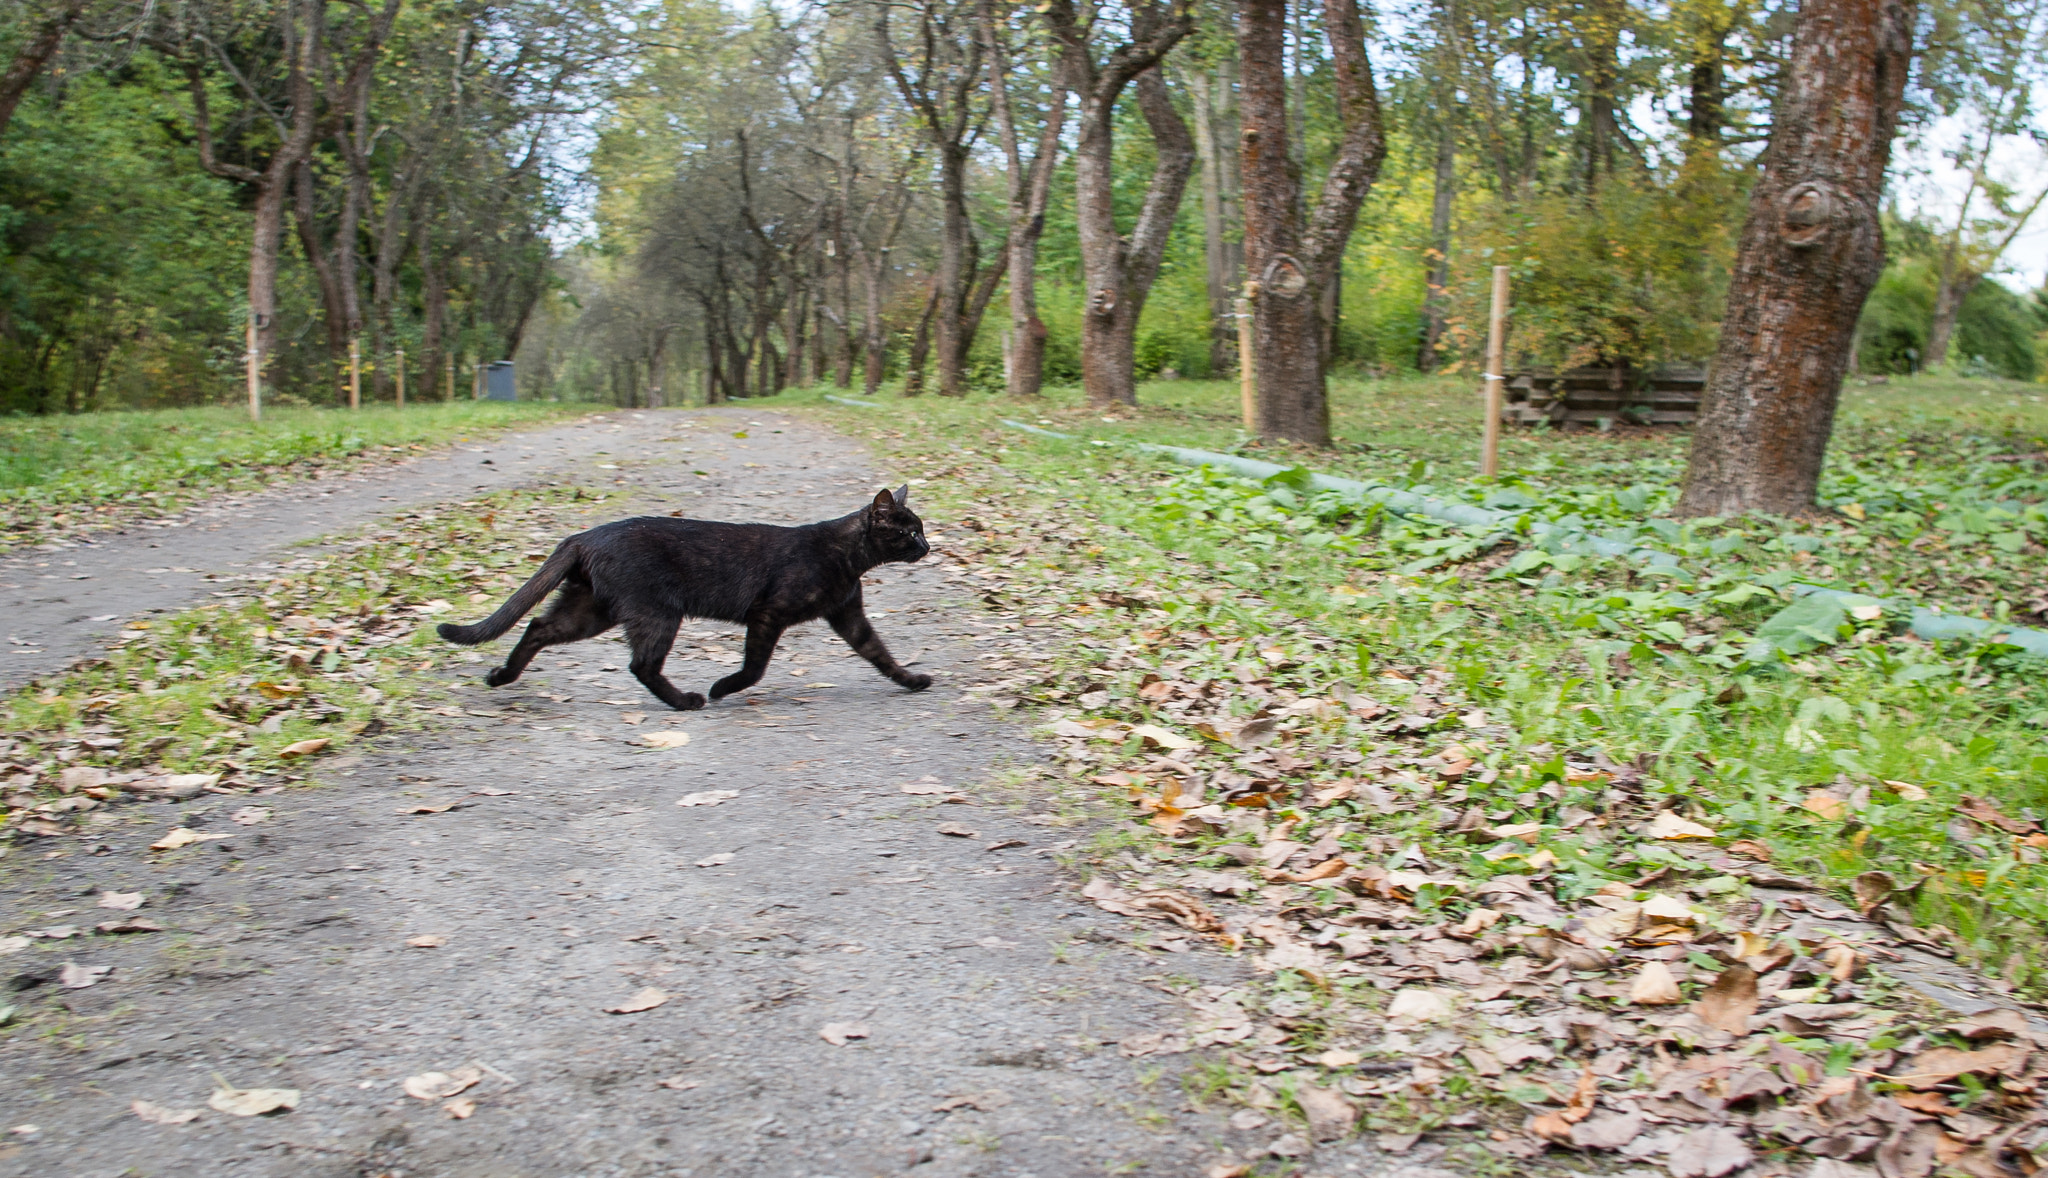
{"x": 837, "y": 1034}
{"x": 646, "y": 999}
{"x": 1708, "y": 1153}
{"x": 157, "y": 1114}
{"x": 427, "y": 941}
{"x": 669, "y": 739}
{"x": 1825, "y": 803}
{"x": 1182, "y": 909}
{"x": 460, "y": 1108}
{"x": 121, "y": 901}
{"x": 1728, "y": 1003}
{"x": 708, "y": 797}
{"x": 1908, "y": 792}
{"x": 134, "y": 924}
{"x": 1654, "y": 986}
{"x": 927, "y": 785}
{"x": 181, "y": 837}
{"x": 959, "y": 832}
{"x": 632, "y": 717}
{"x": 437, "y": 808}
{"x": 441, "y": 1085}
{"x": 302, "y": 748}
{"x": 1983, "y": 810}
{"x": 1667, "y": 908}
{"x": 1872, "y": 888}
{"x": 1842, "y": 962}
{"x": 13, "y": 945}
{"x": 2003, "y": 1023}
{"x": 1337, "y": 1057}
{"x": 1154, "y": 735}
{"x": 1416, "y": 1004}
{"x": 79, "y": 977}
{"x": 1669, "y": 825}
{"x": 1941, "y": 1064}
{"x": 252, "y": 1102}
{"x": 1607, "y": 1131}
{"x": 677, "y": 1083}
{"x": 1330, "y": 1116}
{"x": 718, "y": 860}
{"x": 1750, "y": 849}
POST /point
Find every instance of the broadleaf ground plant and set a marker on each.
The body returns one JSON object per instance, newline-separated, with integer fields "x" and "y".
{"x": 1571, "y": 852}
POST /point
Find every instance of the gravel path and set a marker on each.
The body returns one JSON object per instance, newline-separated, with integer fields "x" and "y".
{"x": 820, "y": 897}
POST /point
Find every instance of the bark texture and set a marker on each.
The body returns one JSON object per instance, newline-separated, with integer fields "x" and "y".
{"x": 1810, "y": 251}
{"x": 1030, "y": 189}
{"x": 1294, "y": 265}
{"x": 1118, "y": 270}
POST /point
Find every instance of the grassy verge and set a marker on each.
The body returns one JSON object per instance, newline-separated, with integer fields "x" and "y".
{"x": 70, "y": 474}
{"x": 1409, "y": 734}
{"x": 291, "y": 662}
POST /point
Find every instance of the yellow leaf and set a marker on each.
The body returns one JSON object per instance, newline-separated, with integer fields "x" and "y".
{"x": 1669, "y": 825}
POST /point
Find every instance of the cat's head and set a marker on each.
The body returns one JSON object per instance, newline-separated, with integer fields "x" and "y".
{"x": 894, "y": 531}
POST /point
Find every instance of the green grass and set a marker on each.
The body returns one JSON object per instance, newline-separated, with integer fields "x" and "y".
{"x": 1793, "y": 744}
{"x": 69, "y": 473}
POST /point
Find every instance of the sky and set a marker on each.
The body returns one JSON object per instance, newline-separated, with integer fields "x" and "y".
{"x": 1927, "y": 183}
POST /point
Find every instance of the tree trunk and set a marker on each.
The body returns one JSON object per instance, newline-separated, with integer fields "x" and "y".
{"x": 434, "y": 309}
{"x": 1811, "y": 249}
{"x": 1216, "y": 268}
{"x": 1436, "y": 303}
{"x": 34, "y": 54}
{"x": 1602, "y": 37}
{"x": 1117, "y": 272}
{"x": 1950, "y": 292}
{"x": 920, "y": 347}
{"x": 1030, "y": 190}
{"x": 1295, "y": 267}
{"x": 333, "y": 303}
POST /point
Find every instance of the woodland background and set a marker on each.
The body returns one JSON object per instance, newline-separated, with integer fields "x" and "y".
{"x": 658, "y": 202}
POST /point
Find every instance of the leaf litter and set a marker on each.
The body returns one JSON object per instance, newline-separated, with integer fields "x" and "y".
{"x": 1453, "y": 930}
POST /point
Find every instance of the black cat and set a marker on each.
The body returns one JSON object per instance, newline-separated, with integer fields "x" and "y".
{"x": 649, "y": 573}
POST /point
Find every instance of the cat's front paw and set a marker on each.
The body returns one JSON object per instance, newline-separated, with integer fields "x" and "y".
{"x": 916, "y": 682}
{"x": 690, "y": 702}
{"x": 499, "y": 677}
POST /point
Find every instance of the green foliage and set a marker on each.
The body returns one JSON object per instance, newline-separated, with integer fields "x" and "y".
{"x": 123, "y": 263}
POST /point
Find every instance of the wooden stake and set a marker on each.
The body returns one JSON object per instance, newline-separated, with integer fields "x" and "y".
{"x": 401, "y": 378}
{"x": 1247, "y": 375}
{"x": 254, "y": 364}
{"x": 1496, "y": 380}
{"x": 355, "y": 373}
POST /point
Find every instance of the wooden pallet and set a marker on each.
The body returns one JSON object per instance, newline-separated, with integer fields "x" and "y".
{"x": 1667, "y": 394}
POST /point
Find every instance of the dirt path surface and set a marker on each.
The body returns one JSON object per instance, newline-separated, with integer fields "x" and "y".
{"x": 819, "y": 900}
{"x": 62, "y": 601}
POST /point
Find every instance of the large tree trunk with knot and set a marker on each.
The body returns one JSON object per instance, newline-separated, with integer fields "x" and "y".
{"x": 1810, "y": 252}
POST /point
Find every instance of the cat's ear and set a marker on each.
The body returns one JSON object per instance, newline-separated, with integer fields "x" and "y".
{"x": 903, "y": 495}
{"x": 883, "y": 501}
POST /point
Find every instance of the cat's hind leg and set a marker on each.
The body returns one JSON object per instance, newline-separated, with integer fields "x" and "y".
{"x": 851, "y": 623}
{"x": 575, "y": 615}
{"x": 650, "y": 641}
{"x": 761, "y": 640}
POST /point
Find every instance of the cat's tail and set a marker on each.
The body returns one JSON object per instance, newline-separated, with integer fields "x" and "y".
{"x": 552, "y": 570}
